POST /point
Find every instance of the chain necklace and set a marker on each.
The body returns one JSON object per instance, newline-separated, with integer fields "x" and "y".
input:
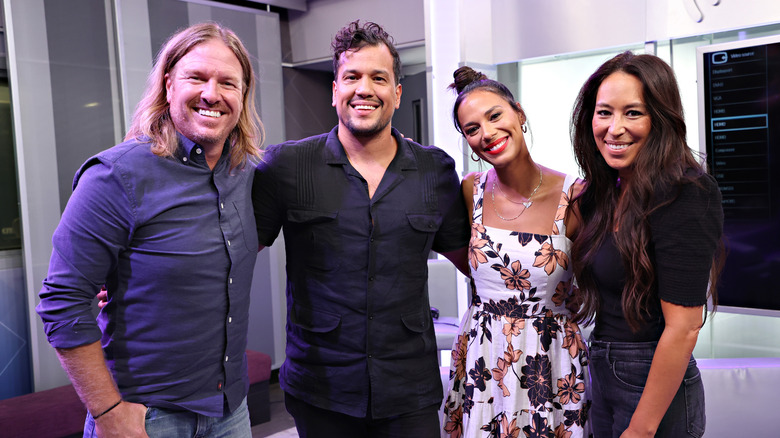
{"x": 526, "y": 204}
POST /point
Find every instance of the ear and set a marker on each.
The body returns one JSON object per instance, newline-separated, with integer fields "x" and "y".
{"x": 168, "y": 86}
{"x": 521, "y": 114}
{"x": 333, "y": 95}
{"x": 398, "y": 91}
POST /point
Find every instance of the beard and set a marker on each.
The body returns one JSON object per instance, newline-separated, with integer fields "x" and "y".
{"x": 362, "y": 128}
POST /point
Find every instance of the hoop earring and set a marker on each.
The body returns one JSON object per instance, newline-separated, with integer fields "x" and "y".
{"x": 476, "y": 160}
{"x": 525, "y": 128}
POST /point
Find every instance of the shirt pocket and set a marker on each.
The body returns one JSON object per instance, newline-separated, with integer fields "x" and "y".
{"x": 316, "y": 321}
{"x": 246, "y": 218}
{"x": 424, "y": 227}
{"x": 315, "y": 234}
{"x": 418, "y": 321}
{"x": 418, "y": 338}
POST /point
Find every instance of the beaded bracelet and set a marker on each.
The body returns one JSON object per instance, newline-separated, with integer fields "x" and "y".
{"x": 95, "y": 417}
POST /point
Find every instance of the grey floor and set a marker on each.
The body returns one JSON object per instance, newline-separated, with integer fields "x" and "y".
{"x": 281, "y": 424}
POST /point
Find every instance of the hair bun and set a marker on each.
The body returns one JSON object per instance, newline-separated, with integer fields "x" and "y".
{"x": 464, "y": 76}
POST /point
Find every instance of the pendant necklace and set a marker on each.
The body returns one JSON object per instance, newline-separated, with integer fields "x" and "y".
{"x": 526, "y": 204}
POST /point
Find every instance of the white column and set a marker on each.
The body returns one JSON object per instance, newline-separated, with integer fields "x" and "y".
{"x": 456, "y": 31}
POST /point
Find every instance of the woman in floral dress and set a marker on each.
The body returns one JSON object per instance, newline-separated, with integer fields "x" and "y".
{"x": 518, "y": 364}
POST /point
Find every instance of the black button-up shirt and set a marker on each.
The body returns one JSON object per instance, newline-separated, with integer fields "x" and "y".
{"x": 359, "y": 322}
{"x": 173, "y": 242}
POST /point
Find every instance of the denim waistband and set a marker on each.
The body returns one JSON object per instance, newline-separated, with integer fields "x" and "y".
{"x": 624, "y": 350}
{"x": 623, "y": 345}
{"x": 643, "y": 351}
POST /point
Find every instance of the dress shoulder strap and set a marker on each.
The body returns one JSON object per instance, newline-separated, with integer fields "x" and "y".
{"x": 563, "y": 204}
{"x": 479, "y": 192}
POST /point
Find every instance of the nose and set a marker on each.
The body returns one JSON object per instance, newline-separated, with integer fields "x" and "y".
{"x": 210, "y": 92}
{"x": 616, "y": 126}
{"x": 488, "y": 133}
{"x": 365, "y": 87}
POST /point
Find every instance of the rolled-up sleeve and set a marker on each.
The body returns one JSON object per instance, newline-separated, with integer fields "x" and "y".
{"x": 94, "y": 228}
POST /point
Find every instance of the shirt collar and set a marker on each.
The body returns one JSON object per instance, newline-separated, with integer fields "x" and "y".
{"x": 404, "y": 157}
{"x": 189, "y": 149}
{"x": 186, "y": 144}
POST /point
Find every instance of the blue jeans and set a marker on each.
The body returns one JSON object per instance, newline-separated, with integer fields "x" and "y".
{"x": 618, "y": 372}
{"x": 167, "y": 423}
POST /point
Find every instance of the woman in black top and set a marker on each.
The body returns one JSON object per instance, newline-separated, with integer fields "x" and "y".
{"x": 646, "y": 250}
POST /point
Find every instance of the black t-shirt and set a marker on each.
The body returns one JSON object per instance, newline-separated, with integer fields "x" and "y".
{"x": 684, "y": 237}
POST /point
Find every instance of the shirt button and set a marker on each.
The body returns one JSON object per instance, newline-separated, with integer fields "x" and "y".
{"x": 230, "y": 280}
{"x": 226, "y": 358}
{"x": 222, "y": 205}
{"x": 198, "y": 151}
{"x": 230, "y": 319}
{"x": 370, "y": 355}
{"x": 370, "y": 316}
{"x": 371, "y": 278}
{"x": 228, "y": 243}
{"x": 184, "y": 159}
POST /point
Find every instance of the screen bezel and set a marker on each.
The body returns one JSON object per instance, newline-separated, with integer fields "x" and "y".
{"x": 701, "y": 52}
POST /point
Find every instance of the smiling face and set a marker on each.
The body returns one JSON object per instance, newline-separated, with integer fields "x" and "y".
{"x": 204, "y": 90}
{"x": 621, "y": 123}
{"x": 364, "y": 93}
{"x": 492, "y": 127}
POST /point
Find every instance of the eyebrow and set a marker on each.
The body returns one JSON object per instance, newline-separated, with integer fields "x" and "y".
{"x": 372, "y": 72}
{"x": 491, "y": 109}
{"x": 201, "y": 70}
{"x": 630, "y": 105}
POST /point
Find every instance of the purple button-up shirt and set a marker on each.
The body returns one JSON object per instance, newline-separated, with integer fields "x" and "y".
{"x": 175, "y": 244}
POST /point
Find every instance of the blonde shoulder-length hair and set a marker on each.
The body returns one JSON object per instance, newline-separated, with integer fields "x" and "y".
{"x": 152, "y": 119}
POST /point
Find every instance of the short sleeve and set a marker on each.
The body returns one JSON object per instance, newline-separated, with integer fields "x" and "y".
{"x": 454, "y": 232}
{"x": 685, "y": 235}
{"x": 269, "y": 212}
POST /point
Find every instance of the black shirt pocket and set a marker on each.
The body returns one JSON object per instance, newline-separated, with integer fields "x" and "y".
{"x": 315, "y": 235}
{"x": 316, "y": 321}
{"x": 423, "y": 229}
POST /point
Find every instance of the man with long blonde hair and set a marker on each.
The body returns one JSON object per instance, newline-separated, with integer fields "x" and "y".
{"x": 164, "y": 220}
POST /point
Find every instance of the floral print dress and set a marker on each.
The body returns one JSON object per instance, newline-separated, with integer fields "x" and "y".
{"x": 518, "y": 365}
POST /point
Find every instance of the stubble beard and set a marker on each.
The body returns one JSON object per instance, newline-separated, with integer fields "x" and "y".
{"x": 360, "y": 131}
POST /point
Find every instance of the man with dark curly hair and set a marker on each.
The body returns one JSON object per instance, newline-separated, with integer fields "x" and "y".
{"x": 361, "y": 208}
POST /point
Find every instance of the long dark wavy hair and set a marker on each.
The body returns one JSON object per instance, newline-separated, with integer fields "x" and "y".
{"x": 664, "y": 161}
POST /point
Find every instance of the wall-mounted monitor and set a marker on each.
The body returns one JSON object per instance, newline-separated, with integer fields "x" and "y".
{"x": 739, "y": 126}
